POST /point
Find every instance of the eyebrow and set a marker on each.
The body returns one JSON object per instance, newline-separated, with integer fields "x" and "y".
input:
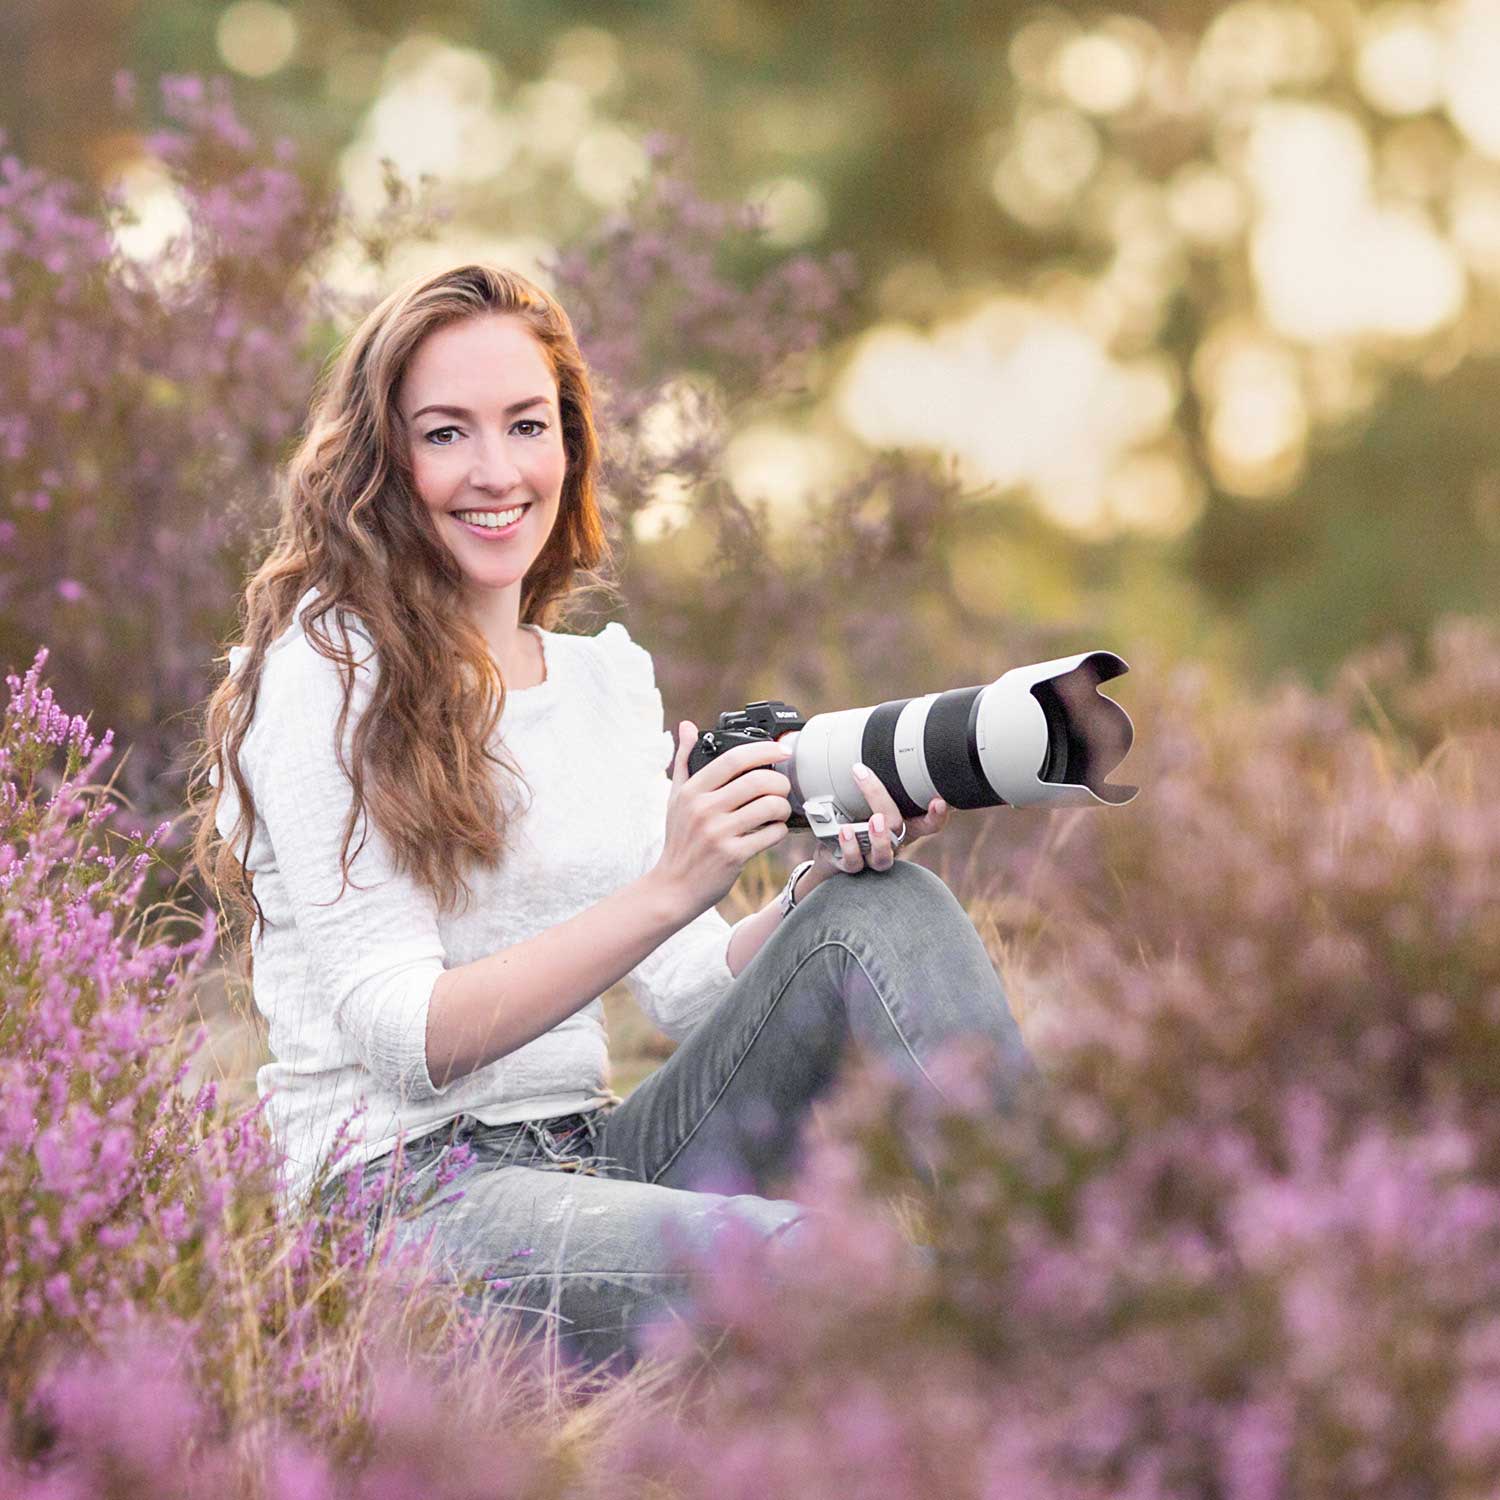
{"x": 463, "y": 411}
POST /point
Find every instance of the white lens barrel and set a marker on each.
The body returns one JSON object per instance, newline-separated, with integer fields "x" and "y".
{"x": 1047, "y": 719}
{"x": 827, "y": 747}
{"x": 1094, "y": 731}
{"x": 911, "y": 755}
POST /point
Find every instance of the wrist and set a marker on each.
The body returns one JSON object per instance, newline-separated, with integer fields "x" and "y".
{"x": 666, "y": 899}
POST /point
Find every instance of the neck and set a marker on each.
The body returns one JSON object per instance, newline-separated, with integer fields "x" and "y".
{"x": 497, "y": 614}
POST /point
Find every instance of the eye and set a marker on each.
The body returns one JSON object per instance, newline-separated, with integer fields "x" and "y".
{"x": 436, "y": 430}
{"x": 533, "y": 422}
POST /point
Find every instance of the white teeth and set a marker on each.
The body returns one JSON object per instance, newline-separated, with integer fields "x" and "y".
{"x": 494, "y": 518}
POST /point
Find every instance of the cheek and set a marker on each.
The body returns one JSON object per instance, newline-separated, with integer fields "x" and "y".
{"x": 429, "y": 475}
{"x": 555, "y": 467}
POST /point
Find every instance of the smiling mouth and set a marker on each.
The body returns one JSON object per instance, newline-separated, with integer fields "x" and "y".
{"x": 491, "y": 518}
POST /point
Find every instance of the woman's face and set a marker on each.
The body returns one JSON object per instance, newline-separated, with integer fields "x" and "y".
{"x": 479, "y": 404}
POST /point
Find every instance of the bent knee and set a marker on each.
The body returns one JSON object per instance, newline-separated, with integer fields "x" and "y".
{"x": 872, "y": 892}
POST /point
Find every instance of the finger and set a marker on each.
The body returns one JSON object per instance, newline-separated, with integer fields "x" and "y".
{"x": 882, "y": 855}
{"x": 687, "y": 737}
{"x": 851, "y": 859}
{"x": 873, "y": 790}
{"x": 762, "y": 782}
{"x": 936, "y": 816}
{"x": 763, "y": 810}
{"x": 735, "y": 762}
{"x": 934, "y": 819}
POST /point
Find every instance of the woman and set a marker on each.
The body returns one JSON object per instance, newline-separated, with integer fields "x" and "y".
{"x": 398, "y": 653}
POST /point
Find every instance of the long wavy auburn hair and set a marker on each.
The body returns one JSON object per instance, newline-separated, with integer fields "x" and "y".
{"x": 353, "y": 525}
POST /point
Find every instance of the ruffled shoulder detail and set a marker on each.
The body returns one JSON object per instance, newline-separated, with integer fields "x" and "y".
{"x": 628, "y": 662}
{"x": 342, "y": 626}
{"x": 630, "y": 675}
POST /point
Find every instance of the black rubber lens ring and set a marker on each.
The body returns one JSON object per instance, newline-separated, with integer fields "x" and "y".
{"x": 992, "y": 798}
{"x": 877, "y": 748}
{"x": 948, "y": 742}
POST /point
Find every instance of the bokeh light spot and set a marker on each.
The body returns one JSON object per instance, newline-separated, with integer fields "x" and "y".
{"x": 795, "y": 209}
{"x": 608, "y": 165}
{"x": 1473, "y": 68}
{"x": 152, "y": 201}
{"x": 256, "y": 38}
{"x": 1400, "y": 62}
{"x": 1099, "y": 73}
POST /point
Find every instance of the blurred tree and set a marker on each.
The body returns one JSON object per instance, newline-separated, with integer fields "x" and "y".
{"x": 1276, "y": 223}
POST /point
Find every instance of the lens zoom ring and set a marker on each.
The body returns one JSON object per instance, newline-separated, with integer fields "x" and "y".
{"x": 952, "y": 757}
{"x": 877, "y": 748}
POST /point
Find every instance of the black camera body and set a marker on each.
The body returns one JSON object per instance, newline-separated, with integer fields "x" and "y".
{"x": 755, "y": 723}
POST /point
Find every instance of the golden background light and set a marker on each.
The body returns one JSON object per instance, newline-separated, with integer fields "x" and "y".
{"x": 794, "y": 209}
{"x": 435, "y": 113}
{"x": 608, "y": 163}
{"x": 1400, "y": 62}
{"x": 256, "y": 37}
{"x": 1352, "y": 236}
{"x": 159, "y": 215}
{"x": 1020, "y": 397}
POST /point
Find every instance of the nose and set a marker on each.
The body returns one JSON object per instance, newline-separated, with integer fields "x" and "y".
{"x": 494, "y": 470}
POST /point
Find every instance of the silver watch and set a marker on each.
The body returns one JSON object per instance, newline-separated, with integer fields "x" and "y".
{"x": 788, "y": 897}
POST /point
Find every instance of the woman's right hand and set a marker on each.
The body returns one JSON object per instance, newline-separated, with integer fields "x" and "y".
{"x": 721, "y": 817}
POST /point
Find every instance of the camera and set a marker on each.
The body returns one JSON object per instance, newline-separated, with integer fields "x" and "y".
{"x": 1040, "y": 735}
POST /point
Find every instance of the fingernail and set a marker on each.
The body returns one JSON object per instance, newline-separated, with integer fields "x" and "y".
{"x": 861, "y": 771}
{"x": 878, "y": 823}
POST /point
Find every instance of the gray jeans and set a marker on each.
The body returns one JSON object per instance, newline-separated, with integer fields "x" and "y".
{"x": 572, "y": 1220}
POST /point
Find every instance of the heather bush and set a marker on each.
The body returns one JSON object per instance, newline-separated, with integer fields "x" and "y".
{"x": 1244, "y": 1239}
{"x": 96, "y": 1193}
{"x": 143, "y": 403}
{"x": 136, "y": 1216}
{"x": 1308, "y": 894}
{"x": 1226, "y": 1247}
{"x": 136, "y": 1423}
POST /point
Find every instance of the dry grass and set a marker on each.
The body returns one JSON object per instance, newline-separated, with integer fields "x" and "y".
{"x": 526, "y": 1389}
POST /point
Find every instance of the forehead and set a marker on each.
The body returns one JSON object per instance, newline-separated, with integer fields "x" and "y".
{"x": 489, "y": 358}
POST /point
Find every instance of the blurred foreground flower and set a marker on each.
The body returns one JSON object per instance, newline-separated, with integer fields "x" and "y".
{"x": 141, "y": 1226}
{"x": 1245, "y": 1239}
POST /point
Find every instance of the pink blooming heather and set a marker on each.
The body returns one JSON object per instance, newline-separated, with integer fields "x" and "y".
{"x": 133, "y": 1422}
{"x": 1239, "y": 1241}
{"x": 95, "y": 1141}
{"x": 143, "y": 407}
{"x": 1244, "y": 1238}
{"x": 128, "y": 1207}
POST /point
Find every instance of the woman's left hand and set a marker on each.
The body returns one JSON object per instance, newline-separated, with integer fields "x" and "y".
{"x": 884, "y": 818}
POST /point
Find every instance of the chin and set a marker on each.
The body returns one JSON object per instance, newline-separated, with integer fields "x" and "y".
{"x": 495, "y": 579}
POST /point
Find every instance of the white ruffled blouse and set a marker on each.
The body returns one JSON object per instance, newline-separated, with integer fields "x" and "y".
{"x": 344, "y": 981}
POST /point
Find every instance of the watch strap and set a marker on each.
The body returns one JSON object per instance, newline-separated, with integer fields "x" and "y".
{"x": 788, "y": 897}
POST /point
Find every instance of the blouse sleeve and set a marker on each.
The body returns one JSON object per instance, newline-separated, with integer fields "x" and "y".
{"x": 375, "y": 949}
{"x": 683, "y": 979}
